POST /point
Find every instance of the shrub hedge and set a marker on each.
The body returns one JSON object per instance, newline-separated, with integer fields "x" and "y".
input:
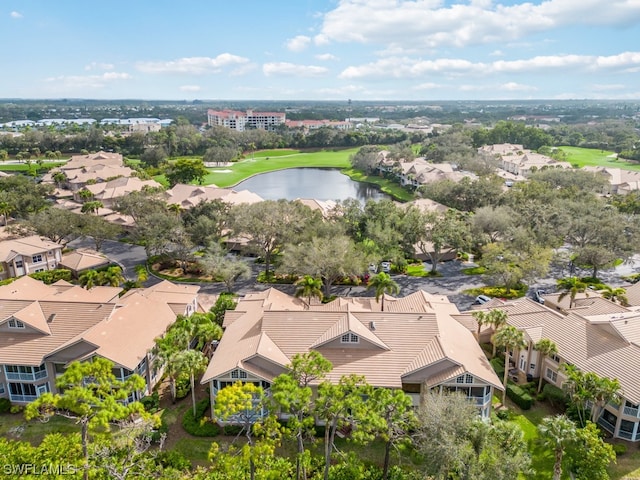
{"x": 5, "y": 405}
{"x": 554, "y": 395}
{"x": 498, "y": 366}
{"x": 197, "y": 425}
{"x": 519, "y": 396}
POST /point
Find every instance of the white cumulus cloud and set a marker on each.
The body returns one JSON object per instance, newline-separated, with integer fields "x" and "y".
{"x": 87, "y": 81}
{"x": 299, "y": 43}
{"x": 193, "y": 65}
{"x": 410, "y": 24}
{"x": 15, "y": 14}
{"x": 326, "y": 57}
{"x": 99, "y": 66}
{"x": 407, "y": 67}
{"x": 190, "y": 88}
{"x": 293, "y": 70}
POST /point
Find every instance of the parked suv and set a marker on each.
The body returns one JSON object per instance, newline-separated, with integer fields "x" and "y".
{"x": 385, "y": 267}
{"x": 537, "y": 296}
{"x": 481, "y": 300}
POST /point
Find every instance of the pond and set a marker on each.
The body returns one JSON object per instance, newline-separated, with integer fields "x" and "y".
{"x": 318, "y": 183}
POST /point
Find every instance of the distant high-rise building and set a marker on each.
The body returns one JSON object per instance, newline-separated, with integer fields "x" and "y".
{"x": 241, "y": 121}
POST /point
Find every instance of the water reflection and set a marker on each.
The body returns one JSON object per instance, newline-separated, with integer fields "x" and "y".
{"x": 318, "y": 183}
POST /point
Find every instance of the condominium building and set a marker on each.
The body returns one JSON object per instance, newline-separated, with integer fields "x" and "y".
{"x": 240, "y": 121}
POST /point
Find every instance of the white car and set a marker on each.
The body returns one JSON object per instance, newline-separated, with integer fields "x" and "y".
{"x": 373, "y": 268}
{"x": 385, "y": 267}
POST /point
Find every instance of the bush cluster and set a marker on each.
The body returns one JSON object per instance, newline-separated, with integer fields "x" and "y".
{"x": 498, "y": 366}
{"x": 5, "y": 405}
{"x": 151, "y": 402}
{"x": 519, "y": 396}
{"x": 52, "y": 276}
{"x": 518, "y": 291}
{"x": 198, "y": 425}
{"x": 555, "y": 396}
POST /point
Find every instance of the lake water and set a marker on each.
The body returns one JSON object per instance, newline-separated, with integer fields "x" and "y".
{"x": 318, "y": 183}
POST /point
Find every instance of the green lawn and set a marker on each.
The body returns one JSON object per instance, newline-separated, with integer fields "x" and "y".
{"x": 387, "y": 186}
{"x": 34, "y": 430}
{"x": 23, "y": 167}
{"x": 594, "y": 157}
{"x": 262, "y": 163}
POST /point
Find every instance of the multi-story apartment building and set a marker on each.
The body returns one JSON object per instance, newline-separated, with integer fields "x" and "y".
{"x": 45, "y": 327}
{"x": 241, "y": 121}
{"x": 595, "y": 335}
{"x": 413, "y": 345}
{"x": 23, "y": 256}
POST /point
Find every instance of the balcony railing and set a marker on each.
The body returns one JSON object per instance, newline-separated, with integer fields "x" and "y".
{"x": 22, "y": 398}
{"x": 26, "y": 377}
{"x": 631, "y": 411}
{"x": 481, "y": 400}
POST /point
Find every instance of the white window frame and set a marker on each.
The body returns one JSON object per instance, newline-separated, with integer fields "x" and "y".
{"x": 34, "y": 257}
{"x": 15, "y": 323}
{"x": 349, "y": 338}
{"x": 551, "y": 375}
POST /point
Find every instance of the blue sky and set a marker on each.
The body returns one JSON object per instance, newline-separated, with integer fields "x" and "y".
{"x": 320, "y": 49}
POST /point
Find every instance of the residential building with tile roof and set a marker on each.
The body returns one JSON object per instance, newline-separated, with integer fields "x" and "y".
{"x": 592, "y": 337}
{"x": 22, "y": 256}
{"x": 414, "y": 345}
{"x": 45, "y": 327}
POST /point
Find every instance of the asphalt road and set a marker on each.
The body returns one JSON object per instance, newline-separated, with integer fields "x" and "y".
{"x": 452, "y": 283}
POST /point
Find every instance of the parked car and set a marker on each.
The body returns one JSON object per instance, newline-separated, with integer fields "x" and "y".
{"x": 537, "y": 296}
{"x": 385, "y": 267}
{"x": 373, "y": 268}
{"x": 481, "y": 300}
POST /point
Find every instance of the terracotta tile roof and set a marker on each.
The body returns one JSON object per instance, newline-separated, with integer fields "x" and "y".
{"x": 61, "y": 315}
{"x": 32, "y": 245}
{"x": 69, "y": 319}
{"x": 390, "y": 344}
{"x": 127, "y": 335}
{"x": 83, "y": 259}
{"x": 633, "y": 294}
{"x": 603, "y": 343}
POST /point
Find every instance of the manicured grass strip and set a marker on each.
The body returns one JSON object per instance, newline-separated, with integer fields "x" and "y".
{"x": 280, "y": 152}
{"x": 234, "y": 174}
{"x": 474, "y": 271}
{"x": 595, "y": 157}
{"x": 387, "y": 186}
{"x": 23, "y": 167}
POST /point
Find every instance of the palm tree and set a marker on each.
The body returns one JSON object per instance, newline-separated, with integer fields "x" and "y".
{"x": 89, "y": 279}
{"x": 557, "y": 433}
{"x": 113, "y": 276}
{"x": 309, "y": 287}
{"x": 571, "y": 286}
{"x": 512, "y": 339}
{"x": 59, "y": 178}
{"x": 92, "y": 207}
{"x": 603, "y": 391}
{"x": 194, "y": 362}
{"x": 175, "y": 209}
{"x": 545, "y": 348}
{"x": 85, "y": 194}
{"x": 383, "y": 283}
{"x": 203, "y": 328}
{"x": 615, "y": 295}
{"x": 497, "y": 319}
{"x": 481, "y": 318}
{"x": 5, "y": 210}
